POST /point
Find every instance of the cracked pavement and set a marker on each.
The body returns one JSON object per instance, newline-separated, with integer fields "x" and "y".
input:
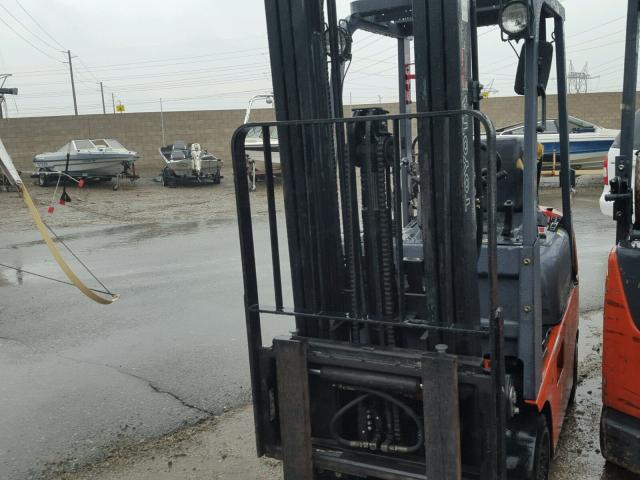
{"x": 79, "y": 380}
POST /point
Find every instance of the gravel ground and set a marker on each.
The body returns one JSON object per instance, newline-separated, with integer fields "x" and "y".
{"x": 144, "y": 201}
{"x": 220, "y": 448}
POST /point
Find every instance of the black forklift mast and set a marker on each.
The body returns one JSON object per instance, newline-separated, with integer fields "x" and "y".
{"x": 622, "y": 190}
{"x": 396, "y": 367}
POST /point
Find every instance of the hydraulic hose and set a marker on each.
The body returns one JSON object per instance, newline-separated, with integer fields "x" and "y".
{"x": 333, "y": 426}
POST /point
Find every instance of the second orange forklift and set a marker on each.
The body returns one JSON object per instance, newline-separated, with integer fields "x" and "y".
{"x": 620, "y": 422}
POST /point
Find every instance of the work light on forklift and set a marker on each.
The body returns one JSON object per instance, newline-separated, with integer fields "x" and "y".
{"x": 514, "y": 18}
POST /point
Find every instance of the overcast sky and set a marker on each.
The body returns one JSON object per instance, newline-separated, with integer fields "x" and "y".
{"x": 210, "y": 54}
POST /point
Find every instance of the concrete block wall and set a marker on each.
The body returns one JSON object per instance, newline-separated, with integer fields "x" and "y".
{"x": 141, "y": 132}
{"x": 25, "y": 137}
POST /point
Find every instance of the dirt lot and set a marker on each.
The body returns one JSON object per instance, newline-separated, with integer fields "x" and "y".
{"x": 220, "y": 448}
{"x": 144, "y": 201}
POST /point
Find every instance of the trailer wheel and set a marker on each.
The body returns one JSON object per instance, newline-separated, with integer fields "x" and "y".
{"x": 43, "y": 179}
{"x": 542, "y": 455}
{"x": 166, "y": 178}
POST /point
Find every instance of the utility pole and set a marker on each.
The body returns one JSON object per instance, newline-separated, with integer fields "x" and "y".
{"x": 113, "y": 101}
{"x": 104, "y": 109}
{"x": 73, "y": 85}
{"x": 5, "y": 91}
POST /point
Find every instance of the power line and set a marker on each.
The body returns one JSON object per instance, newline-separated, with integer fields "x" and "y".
{"x": 223, "y": 95}
{"x": 87, "y": 69}
{"x": 127, "y": 66}
{"x": 162, "y": 63}
{"x": 586, "y": 42}
{"x": 40, "y": 26}
{"x": 154, "y": 87}
{"x": 261, "y": 68}
{"x": 594, "y": 47}
{"x": 600, "y": 25}
{"x": 28, "y": 29}
{"x": 80, "y": 77}
{"x": 28, "y": 41}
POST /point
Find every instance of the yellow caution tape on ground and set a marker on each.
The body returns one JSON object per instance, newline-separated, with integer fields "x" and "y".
{"x": 56, "y": 253}
{"x": 8, "y": 169}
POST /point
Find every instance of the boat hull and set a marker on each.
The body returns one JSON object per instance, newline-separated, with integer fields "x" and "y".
{"x": 185, "y": 168}
{"x": 256, "y": 156}
{"x": 585, "y": 154}
{"x": 208, "y": 166}
{"x": 85, "y": 165}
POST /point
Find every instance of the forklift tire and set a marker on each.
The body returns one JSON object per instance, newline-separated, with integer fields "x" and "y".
{"x": 542, "y": 455}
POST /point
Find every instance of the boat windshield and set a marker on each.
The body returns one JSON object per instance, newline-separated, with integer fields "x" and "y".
{"x": 84, "y": 145}
{"x": 115, "y": 144}
{"x": 100, "y": 143}
{"x": 65, "y": 148}
{"x": 577, "y": 125}
{"x": 256, "y": 132}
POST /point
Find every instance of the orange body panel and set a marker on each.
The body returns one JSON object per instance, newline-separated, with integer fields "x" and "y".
{"x": 621, "y": 347}
{"x": 557, "y": 370}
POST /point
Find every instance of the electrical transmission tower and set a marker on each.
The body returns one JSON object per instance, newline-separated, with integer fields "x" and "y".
{"x": 578, "y": 82}
{"x": 4, "y": 110}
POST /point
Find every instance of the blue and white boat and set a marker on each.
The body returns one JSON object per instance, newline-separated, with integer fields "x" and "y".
{"x": 589, "y": 143}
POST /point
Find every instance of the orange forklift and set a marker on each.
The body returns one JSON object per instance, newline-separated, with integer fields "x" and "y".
{"x": 427, "y": 343}
{"x": 620, "y": 422}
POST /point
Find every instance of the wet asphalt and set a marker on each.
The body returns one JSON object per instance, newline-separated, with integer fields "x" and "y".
{"x": 78, "y": 379}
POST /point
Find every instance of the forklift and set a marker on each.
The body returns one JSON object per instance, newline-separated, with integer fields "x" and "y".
{"x": 432, "y": 330}
{"x": 620, "y": 420}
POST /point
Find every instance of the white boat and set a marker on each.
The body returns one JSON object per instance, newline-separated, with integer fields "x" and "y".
{"x": 100, "y": 158}
{"x": 589, "y": 143}
{"x": 254, "y": 145}
{"x": 189, "y": 162}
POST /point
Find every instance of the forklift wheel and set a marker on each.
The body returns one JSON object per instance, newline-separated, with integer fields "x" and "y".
{"x": 542, "y": 456}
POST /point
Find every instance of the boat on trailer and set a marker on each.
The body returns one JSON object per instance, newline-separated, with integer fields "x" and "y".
{"x": 254, "y": 146}
{"x": 100, "y": 159}
{"x": 589, "y": 143}
{"x": 189, "y": 162}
